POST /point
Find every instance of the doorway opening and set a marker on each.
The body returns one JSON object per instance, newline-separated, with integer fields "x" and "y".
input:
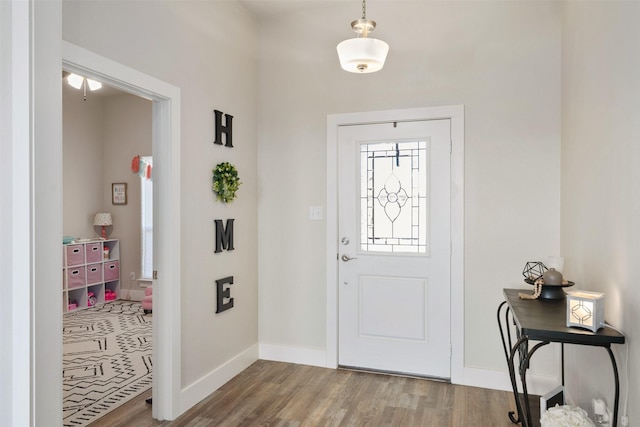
{"x": 165, "y": 116}
{"x": 107, "y": 330}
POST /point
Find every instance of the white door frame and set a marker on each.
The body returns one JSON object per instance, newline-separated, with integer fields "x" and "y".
{"x": 166, "y": 173}
{"x": 456, "y": 115}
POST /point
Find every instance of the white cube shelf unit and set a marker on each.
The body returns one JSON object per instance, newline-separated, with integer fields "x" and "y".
{"x": 90, "y": 273}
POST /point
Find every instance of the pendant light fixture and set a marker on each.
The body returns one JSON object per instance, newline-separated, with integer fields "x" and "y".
{"x": 78, "y": 82}
{"x": 362, "y": 54}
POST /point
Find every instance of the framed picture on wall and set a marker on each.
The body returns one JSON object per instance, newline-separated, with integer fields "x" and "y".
{"x": 119, "y": 193}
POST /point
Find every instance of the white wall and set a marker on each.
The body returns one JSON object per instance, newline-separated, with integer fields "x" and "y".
{"x": 501, "y": 60}
{"x": 82, "y": 161}
{"x": 601, "y": 181}
{"x": 207, "y": 49}
{"x": 127, "y": 133}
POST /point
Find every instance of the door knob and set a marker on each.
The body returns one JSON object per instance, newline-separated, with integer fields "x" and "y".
{"x": 347, "y": 258}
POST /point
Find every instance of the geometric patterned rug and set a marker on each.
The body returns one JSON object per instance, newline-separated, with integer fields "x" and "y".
{"x": 106, "y": 361}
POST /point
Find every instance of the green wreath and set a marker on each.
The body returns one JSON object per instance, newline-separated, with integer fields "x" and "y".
{"x": 225, "y": 182}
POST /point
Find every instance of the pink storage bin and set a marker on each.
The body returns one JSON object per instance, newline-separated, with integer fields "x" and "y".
{"x": 75, "y": 277}
{"x": 75, "y": 255}
{"x": 111, "y": 271}
{"x": 94, "y": 273}
{"x": 93, "y": 252}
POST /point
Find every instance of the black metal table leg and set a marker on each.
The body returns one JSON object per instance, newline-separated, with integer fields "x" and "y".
{"x": 617, "y": 380}
{"x": 508, "y": 354}
{"x": 562, "y": 361}
{"x": 523, "y": 378}
{"x": 504, "y": 343}
{"x": 512, "y": 374}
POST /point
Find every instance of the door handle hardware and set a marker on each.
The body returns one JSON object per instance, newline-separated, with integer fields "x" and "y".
{"x": 347, "y": 258}
{"x": 345, "y": 241}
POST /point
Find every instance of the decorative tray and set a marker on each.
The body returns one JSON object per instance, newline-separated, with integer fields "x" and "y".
{"x": 552, "y": 291}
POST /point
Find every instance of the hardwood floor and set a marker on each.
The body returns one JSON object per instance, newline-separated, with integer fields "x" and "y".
{"x": 285, "y": 394}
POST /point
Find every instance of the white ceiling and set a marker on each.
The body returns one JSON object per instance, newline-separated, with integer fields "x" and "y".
{"x": 266, "y": 8}
{"x": 274, "y": 7}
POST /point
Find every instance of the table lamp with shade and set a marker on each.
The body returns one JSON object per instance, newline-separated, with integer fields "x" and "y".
{"x": 103, "y": 219}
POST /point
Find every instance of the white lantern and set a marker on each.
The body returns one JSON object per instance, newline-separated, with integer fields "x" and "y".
{"x": 585, "y": 310}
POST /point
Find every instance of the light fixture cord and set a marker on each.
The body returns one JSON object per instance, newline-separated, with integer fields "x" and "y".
{"x": 364, "y": 9}
{"x": 84, "y": 88}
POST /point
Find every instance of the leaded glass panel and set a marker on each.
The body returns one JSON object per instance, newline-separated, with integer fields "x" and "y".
{"x": 394, "y": 208}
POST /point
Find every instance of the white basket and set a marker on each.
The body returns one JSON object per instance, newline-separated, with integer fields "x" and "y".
{"x": 565, "y": 416}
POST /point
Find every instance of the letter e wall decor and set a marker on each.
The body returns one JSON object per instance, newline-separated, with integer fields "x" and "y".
{"x": 224, "y": 293}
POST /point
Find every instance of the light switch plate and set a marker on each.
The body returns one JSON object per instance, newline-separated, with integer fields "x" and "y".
{"x": 315, "y": 213}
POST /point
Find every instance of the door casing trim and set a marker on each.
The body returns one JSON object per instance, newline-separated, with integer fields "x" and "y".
{"x": 456, "y": 114}
{"x": 166, "y": 156}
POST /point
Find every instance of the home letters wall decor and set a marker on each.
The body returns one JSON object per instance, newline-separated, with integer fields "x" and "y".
{"x": 224, "y": 233}
{"x": 227, "y": 129}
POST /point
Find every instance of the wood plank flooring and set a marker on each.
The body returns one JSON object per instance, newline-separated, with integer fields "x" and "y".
{"x": 285, "y": 394}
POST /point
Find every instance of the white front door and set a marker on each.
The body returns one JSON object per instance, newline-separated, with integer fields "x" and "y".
{"x": 395, "y": 247}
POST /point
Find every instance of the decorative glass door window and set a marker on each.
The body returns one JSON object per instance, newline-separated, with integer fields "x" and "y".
{"x": 394, "y": 199}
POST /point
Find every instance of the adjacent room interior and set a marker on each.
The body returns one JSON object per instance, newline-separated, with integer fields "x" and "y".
{"x": 108, "y": 229}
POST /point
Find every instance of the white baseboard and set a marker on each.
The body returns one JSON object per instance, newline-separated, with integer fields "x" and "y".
{"x": 499, "y": 380}
{"x": 485, "y": 378}
{"x": 131, "y": 295}
{"x": 289, "y": 354}
{"x": 215, "y": 379}
{"x": 473, "y": 377}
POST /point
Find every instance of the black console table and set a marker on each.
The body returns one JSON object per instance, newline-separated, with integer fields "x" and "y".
{"x": 545, "y": 321}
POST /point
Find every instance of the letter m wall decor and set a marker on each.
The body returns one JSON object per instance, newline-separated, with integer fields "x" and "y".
{"x": 224, "y": 235}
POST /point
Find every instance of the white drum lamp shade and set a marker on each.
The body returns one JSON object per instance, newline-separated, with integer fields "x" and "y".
{"x": 362, "y": 55}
